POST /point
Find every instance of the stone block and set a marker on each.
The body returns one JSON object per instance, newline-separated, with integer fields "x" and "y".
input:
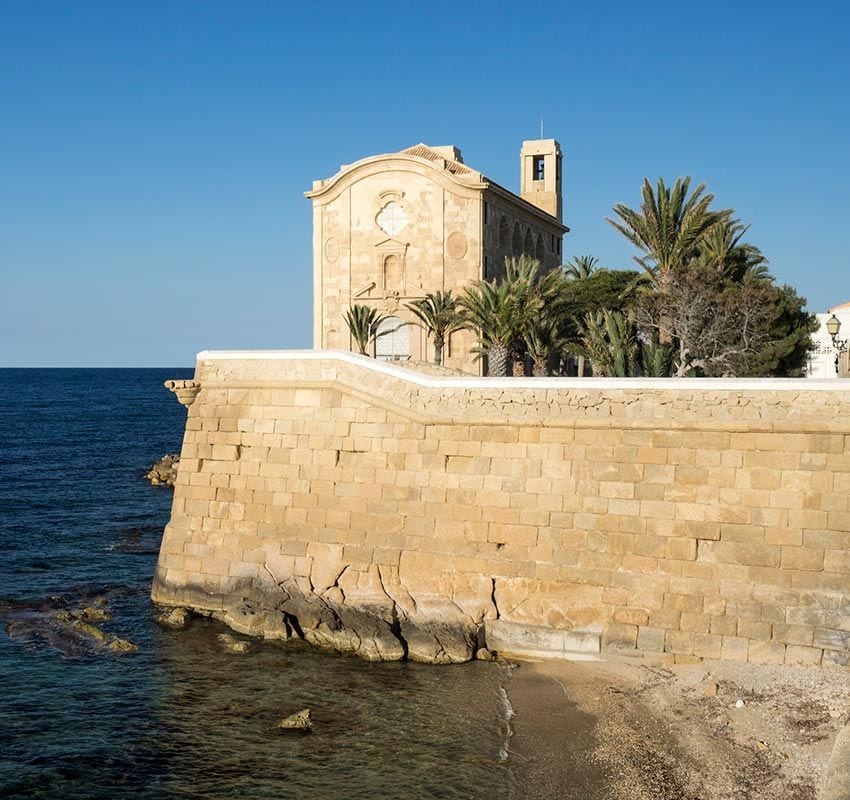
{"x": 650, "y": 638}
{"x": 805, "y": 558}
{"x": 793, "y": 634}
{"x": 835, "y": 658}
{"x": 628, "y": 616}
{"x": 744, "y": 553}
{"x": 754, "y": 629}
{"x": 734, "y": 649}
{"x": 803, "y": 656}
{"x": 681, "y": 548}
{"x": 707, "y": 645}
{"x": 695, "y": 623}
{"x": 830, "y": 639}
{"x": 680, "y": 642}
{"x": 683, "y": 602}
{"x": 766, "y": 653}
{"x": 620, "y": 635}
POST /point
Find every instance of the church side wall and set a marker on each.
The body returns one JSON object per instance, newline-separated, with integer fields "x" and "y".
{"x": 625, "y": 519}
{"x": 508, "y": 231}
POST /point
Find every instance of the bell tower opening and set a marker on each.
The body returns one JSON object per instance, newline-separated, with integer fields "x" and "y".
{"x": 540, "y": 175}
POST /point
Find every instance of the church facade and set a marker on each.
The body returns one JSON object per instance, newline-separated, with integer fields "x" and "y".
{"x": 391, "y": 228}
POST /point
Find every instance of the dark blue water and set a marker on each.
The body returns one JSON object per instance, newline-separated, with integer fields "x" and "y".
{"x": 183, "y": 718}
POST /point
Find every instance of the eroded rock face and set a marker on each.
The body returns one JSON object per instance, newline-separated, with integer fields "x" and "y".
{"x": 420, "y": 610}
{"x": 380, "y": 613}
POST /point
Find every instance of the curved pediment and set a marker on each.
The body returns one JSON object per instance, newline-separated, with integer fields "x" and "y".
{"x": 467, "y": 184}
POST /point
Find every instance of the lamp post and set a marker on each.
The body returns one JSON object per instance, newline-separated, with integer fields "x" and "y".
{"x": 833, "y": 326}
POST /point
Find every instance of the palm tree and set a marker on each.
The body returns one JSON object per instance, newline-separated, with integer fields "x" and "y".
{"x": 669, "y": 226}
{"x": 722, "y": 249}
{"x": 363, "y": 322}
{"x": 757, "y": 273}
{"x": 524, "y": 269}
{"x": 487, "y": 308}
{"x": 543, "y": 340}
{"x": 581, "y": 267}
{"x": 522, "y": 276}
{"x": 501, "y": 311}
{"x": 439, "y": 315}
{"x": 609, "y": 341}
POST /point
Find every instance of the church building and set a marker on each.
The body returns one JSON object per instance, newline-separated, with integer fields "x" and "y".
{"x": 391, "y": 228}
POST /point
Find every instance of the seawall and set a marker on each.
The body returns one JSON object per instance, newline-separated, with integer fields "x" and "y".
{"x": 366, "y": 507}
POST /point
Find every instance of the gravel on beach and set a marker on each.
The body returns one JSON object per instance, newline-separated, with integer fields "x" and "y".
{"x": 709, "y": 731}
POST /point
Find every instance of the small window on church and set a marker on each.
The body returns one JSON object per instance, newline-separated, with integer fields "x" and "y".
{"x": 539, "y": 162}
{"x": 486, "y": 268}
{"x": 485, "y": 213}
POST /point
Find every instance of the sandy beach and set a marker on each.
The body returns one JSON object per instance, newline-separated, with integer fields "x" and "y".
{"x": 710, "y": 731}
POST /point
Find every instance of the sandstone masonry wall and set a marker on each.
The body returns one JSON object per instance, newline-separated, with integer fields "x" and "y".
{"x": 366, "y": 507}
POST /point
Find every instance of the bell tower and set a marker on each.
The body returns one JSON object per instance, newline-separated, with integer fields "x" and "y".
{"x": 540, "y": 175}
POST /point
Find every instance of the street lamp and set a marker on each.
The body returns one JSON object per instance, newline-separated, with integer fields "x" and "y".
{"x": 833, "y": 326}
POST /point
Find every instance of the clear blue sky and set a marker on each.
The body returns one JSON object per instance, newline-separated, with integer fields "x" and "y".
{"x": 153, "y": 155}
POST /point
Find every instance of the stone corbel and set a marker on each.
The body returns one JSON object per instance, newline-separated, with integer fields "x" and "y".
{"x": 186, "y": 391}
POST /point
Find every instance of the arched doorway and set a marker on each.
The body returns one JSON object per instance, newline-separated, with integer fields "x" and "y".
{"x": 393, "y": 340}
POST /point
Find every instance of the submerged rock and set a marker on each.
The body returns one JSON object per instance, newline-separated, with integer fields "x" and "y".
{"x": 99, "y": 613}
{"x": 164, "y": 471}
{"x": 118, "y": 645}
{"x": 92, "y": 632}
{"x": 176, "y": 618}
{"x": 64, "y": 625}
{"x": 233, "y": 645}
{"x": 96, "y": 613}
{"x": 300, "y": 721}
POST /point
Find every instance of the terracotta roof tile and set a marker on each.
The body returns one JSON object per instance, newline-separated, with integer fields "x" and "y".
{"x": 423, "y": 151}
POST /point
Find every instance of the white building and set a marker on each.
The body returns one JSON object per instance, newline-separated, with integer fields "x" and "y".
{"x": 822, "y": 355}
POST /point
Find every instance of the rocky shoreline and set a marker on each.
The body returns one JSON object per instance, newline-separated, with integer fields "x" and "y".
{"x": 373, "y": 630}
{"x": 70, "y": 625}
{"x": 164, "y": 471}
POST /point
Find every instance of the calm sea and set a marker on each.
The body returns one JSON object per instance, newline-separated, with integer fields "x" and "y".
{"x": 183, "y": 718}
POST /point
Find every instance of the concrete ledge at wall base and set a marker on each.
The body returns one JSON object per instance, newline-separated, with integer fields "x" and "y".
{"x": 535, "y": 641}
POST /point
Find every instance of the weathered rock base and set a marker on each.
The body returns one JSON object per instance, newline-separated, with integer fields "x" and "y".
{"x": 375, "y": 629}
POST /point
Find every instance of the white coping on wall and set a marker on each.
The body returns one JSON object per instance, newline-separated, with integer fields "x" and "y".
{"x": 411, "y": 376}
